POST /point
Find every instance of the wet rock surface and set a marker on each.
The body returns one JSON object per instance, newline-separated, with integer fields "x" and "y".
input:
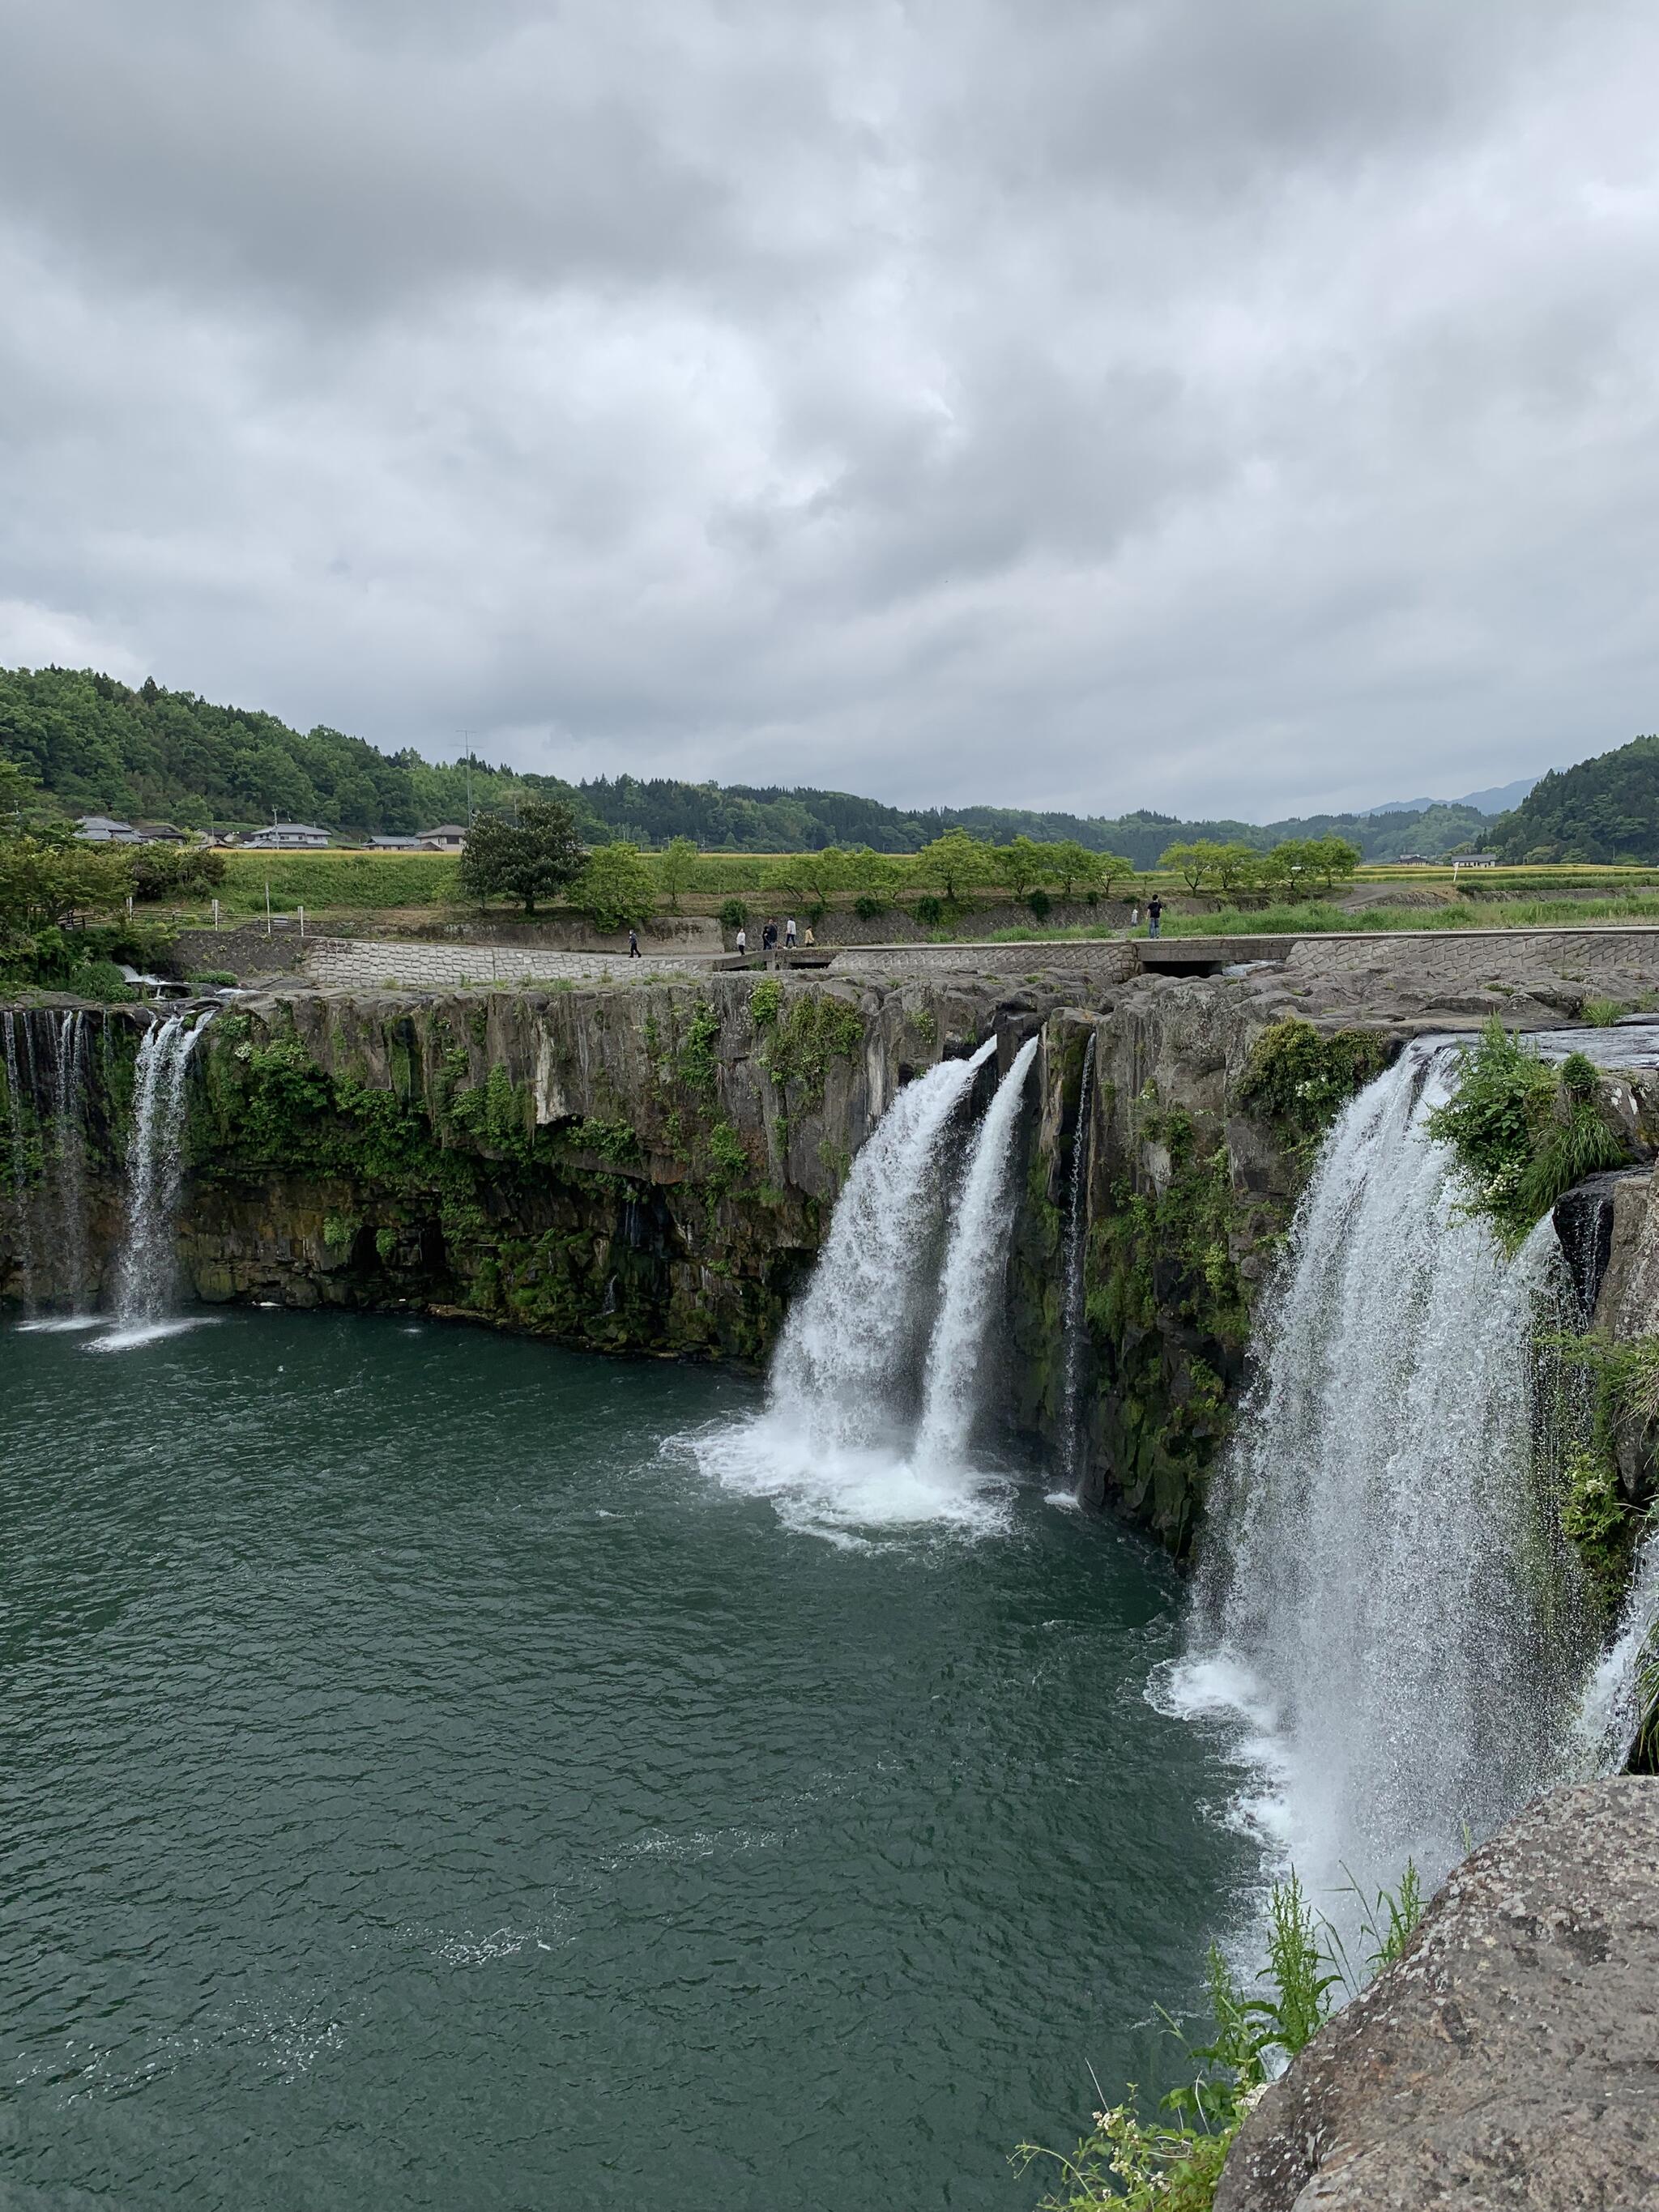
{"x": 1511, "y": 2058}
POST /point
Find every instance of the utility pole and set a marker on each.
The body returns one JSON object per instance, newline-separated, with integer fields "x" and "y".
{"x": 467, "y": 735}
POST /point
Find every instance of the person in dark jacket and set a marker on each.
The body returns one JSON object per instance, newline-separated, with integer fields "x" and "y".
{"x": 634, "y": 952}
{"x": 1154, "y": 915}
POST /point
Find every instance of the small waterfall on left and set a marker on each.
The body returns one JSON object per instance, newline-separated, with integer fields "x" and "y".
{"x": 146, "y": 1276}
{"x": 53, "y": 1240}
{"x": 20, "y": 1166}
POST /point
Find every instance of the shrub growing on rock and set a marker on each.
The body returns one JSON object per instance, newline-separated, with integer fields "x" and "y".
{"x": 1524, "y": 1132}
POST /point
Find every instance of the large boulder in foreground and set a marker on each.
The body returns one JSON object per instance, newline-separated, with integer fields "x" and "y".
{"x": 1510, "y": 2058}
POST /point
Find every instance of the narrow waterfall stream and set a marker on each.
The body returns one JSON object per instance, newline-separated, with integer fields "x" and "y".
{"x": 870, "y": 1414}
{"x": 147, "y": 1275}
{"x": 973, "y": 1276}
{"x": 68, "y": 1113}
{"x": 1077, "y": 1226}
{"x": 20, "y": 1154}
{"x": 1386, "y": 1611}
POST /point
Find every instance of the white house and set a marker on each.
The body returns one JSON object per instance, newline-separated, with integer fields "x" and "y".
{"x": 105, "y": 830}
{"x": 287, "y": 834}
{"x": 1473, "y": 860}
{"x": 448, "y": 837}
{"x": 396, "y": 845}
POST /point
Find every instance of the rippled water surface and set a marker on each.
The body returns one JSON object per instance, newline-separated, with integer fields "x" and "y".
{"x": 423, "y": 1785}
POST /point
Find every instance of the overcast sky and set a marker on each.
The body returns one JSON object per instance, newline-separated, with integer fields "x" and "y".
{"x": 1219, "y": 406}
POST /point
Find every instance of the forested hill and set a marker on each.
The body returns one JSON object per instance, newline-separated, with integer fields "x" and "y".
{"x": 95, "y": 745}
{"x": 1604, "y": 809}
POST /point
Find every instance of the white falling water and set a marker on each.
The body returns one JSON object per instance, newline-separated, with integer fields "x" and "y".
{"x": 973, "y": 1275}
{"x": 20, "y": 1157}
{"x": 1386, "y": 1607}
{"x": 1076, "y": 1226}
{"x": 836, "y": 1450}
{"x": 146, "y": 1278}
{"x": 847, "y": 1349}
{"x": 68, "y": 1105}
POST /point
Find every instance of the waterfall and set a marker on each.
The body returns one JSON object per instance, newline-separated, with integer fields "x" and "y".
{"x": 973, "y": 1274}
{"x": 69, "y": 1103}
{"x": 836, "y": 1449}
{"x": 1385, "y": 1605}
{"x": 20, "y": 1154}
{"x": 845, "y": 1354}
{"x": 146, "y": 1275}
{"x": 1076, "y": 1229}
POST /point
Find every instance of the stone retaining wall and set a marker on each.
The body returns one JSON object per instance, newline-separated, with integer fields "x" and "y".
{"x": 368, "y": 963}
{"x": 1099, "y": 960}
{"x": 1472, "y": 957}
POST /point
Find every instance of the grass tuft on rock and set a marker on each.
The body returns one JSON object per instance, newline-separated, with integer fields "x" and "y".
{"x": 1523, "y": 1132}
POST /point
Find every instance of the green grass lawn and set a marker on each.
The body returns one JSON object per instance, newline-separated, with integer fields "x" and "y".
{"x": 1319, "y": 915}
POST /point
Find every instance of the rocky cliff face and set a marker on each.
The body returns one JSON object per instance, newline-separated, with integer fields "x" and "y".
{"x": 1509, "y": 2058}
{"x": 652, "y": 1168}
{"x": 640, "y": 1168}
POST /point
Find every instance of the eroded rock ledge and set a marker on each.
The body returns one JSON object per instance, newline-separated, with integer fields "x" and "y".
{"x": 1512, "y": 2056}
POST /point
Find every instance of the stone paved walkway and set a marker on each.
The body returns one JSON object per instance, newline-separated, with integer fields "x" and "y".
{"x": 371, "y": 964}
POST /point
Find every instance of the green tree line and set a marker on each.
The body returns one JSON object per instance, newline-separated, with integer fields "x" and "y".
{"x": 93, "y": 744}
{"x": 1604, "y": 810}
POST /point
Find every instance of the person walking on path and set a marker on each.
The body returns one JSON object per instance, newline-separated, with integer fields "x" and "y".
{"x": 633, "y": 945}
{"x": 1154, "y": 915}
{"x": 1134, "y": 915}
{"x": 789, "y": 934}
{"x": 743, "y": 940}
{"x": 811, "y": 939}
{"x": 769, "y": 937}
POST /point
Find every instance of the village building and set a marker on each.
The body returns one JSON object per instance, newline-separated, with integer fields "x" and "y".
{"x": 287, "y": 835}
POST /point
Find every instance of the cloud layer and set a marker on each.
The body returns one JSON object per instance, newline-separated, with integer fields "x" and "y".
{"x": 1212, "y": 404}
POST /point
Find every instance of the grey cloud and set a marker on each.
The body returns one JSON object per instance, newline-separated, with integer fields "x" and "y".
{"x": 1212, "y": 403}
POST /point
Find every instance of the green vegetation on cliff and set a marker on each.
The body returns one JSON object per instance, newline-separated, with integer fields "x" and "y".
{"x": 1168, "y": 1312}
{"x": 443, "y": 1186}
{"x": 1174, "y": 1254}
{"x": 1605, "y": 1519}
{"x": 1298, "y": 1078}
{"x": 1523, "y": 1132}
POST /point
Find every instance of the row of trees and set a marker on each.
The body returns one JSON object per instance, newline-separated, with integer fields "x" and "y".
{"x": 540, "y": 857}
{"x": 949, "y": 867}
{"x": 1296, "y": 863}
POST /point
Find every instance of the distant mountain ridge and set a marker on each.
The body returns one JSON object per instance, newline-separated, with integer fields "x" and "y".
{"x": 1499, "y": 798}
{"x": 96, "y": 745}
